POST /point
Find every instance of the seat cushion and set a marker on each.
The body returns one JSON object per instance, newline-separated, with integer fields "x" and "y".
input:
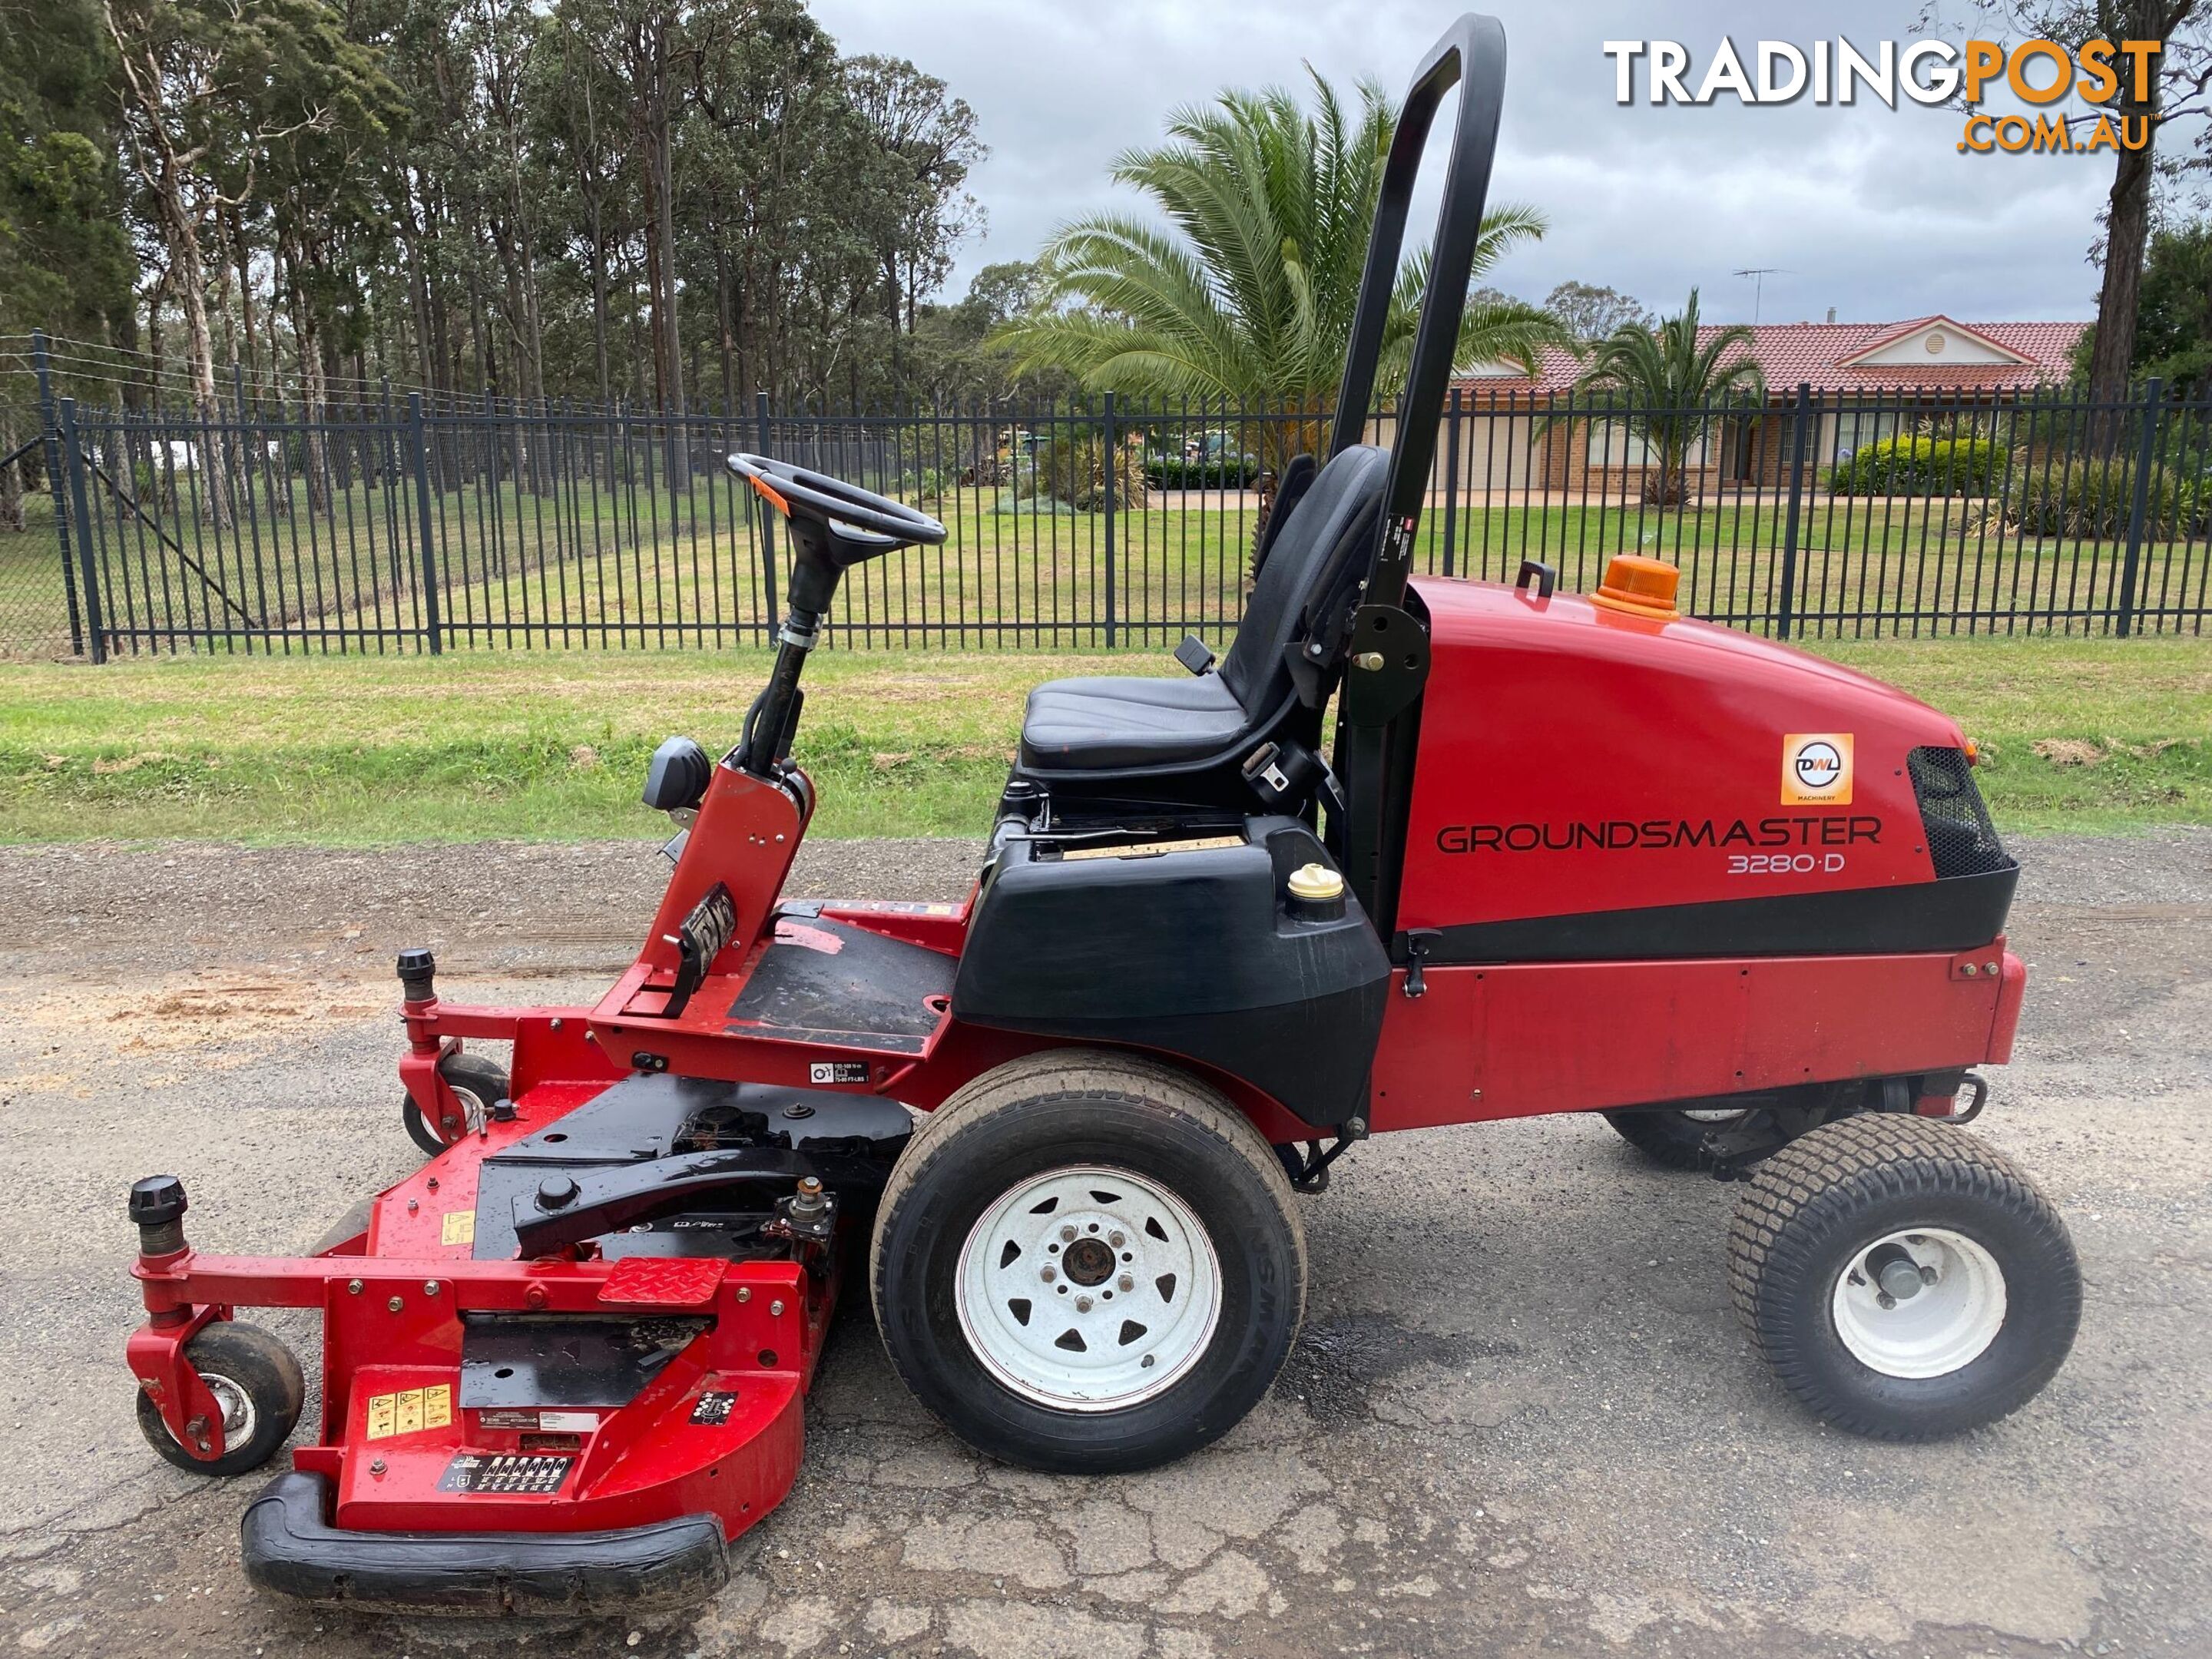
{"x": 1104, "y": 723}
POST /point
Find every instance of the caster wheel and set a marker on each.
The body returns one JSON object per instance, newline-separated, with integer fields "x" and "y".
{"x": 1087, "y": 1263}
{"x": 1904, "y": 1281}
{"x": 475, "y": 1082}
{"x": 255, "y": 1381}
{"x": 1671, "y": 1135}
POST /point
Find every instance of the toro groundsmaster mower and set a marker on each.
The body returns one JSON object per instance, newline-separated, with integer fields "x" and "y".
{"x": 1560, "y": 854}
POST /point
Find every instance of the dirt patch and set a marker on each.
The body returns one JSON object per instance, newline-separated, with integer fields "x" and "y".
{"x": 2069, "y": 751}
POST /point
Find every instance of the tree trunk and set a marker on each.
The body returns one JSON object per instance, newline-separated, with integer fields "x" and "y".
{"x": 243, "y": 261}
{"x": 599, "y": 307}
{"x": 2127, "y": 235}
{"x": 11, "y": 484}
{"x": 722, "y": 322}
{"x": 190, "y": 269}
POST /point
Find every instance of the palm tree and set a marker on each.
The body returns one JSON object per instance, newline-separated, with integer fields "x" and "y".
{"x": 1670, "y": 383}
{"x": 1249, "y": 296}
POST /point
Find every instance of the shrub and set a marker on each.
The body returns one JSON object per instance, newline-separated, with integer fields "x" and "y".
{"x": 2091, "y": 498}
{"x": 1073, "y": 467}
{"x": 1212, "y": 472}
{"x": 1921, "y": 466}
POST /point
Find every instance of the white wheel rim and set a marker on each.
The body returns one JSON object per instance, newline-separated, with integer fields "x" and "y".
{"x": 1061, "y": 1314}
{"x": 1713, "y": 1115}
{"x": 239, "y": 1417}
{"x": 1944, "y": 1326}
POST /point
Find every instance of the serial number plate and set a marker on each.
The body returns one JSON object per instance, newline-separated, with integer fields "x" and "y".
{"x": 475, "y": 1472}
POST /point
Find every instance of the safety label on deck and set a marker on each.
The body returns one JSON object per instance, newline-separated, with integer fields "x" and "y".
{"x": 410, "y": 1411}
{"x": 714, "y": 1408}
{"x": 458, "y": 1227}
{"x": 482, "y": 1471}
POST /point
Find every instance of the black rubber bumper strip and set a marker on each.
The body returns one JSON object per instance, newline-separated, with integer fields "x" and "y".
{"x": 290, "y": 1549}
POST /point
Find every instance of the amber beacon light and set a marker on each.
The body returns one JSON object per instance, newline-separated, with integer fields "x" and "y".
{"x": 1638, "y": 587}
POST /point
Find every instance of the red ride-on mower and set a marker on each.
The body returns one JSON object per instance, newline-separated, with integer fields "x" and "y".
{"x": 1566, "y": 855}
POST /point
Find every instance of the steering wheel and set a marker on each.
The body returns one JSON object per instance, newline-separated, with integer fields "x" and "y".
{"x": 848, "y": 524}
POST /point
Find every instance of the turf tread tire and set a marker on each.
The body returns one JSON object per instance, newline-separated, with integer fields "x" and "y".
{"x": 1067, "y": 1076}
{"x": 1798, "y": 1200}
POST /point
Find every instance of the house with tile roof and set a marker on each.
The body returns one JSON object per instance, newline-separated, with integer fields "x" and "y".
{"x": 1867, "y": 380}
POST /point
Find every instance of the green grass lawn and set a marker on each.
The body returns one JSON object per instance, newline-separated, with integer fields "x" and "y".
{"x": 2097, "y": 735}
{"x": 599, "y": 558}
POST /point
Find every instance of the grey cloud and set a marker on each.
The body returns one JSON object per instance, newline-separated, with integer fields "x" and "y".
{"x": 1871, "y": 211}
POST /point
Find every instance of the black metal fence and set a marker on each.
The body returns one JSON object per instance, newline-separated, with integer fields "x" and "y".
{"x": 387, "y": 526}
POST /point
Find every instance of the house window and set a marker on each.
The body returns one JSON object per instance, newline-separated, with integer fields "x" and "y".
{"x": 1857, "y": 427}
{"x": 1615, "y": 443}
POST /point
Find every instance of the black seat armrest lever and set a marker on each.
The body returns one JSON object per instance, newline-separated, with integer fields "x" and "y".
{"x": 1195, "y": 654}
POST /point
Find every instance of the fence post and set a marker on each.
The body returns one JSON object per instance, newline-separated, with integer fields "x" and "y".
{"x": 425, "y": 529}
{"x": 2146, "y": 455}
{"x": 1110, "y": 465}
{"x": 767, "y": 520}
{"x": 1451, "y": 479}
{"x": 1787, "y": 614}
{"x": 73, "y": 447}
{"x": 43, "y": 367}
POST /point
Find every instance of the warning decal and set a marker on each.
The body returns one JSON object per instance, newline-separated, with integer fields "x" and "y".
{"x": 458, "y": 1227}
{"x": 410, "y": 1411}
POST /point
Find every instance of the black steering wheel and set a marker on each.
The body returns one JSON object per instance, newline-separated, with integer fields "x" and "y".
{"x": 848, "y": 523}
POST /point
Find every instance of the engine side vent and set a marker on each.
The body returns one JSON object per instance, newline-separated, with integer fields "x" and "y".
{"x": 1961, "y": 839}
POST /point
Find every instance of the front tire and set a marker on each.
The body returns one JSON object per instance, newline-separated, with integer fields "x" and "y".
{"x": 1904, "y": 1281}
{"x": 255, "y": 1381}
{"x": 476, "y": 1083}
{"x": 1086, "y": 1263}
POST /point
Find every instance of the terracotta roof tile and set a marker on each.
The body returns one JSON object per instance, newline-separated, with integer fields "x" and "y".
{"x": 1815, "y": 353}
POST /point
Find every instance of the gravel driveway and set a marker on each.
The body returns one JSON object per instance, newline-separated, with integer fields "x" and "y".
{"x": 1523, "y": 1419}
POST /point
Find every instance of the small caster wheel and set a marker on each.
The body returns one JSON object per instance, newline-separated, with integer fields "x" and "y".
{"x": 475, "y": 1082}
{"x": 1672, "y": 1135}
{"x": 255, "y": 1381}
{"x": 1904, "y": 1281}
{"x": 1087, "y": 1263}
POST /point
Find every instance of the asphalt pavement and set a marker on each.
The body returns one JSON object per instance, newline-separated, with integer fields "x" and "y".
{"x": 1522, "y": 1419}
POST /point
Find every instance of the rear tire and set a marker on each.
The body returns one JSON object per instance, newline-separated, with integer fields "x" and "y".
{"x": 1671, "y": 1135}
{"x": 996, "y": 1313}
{"x": 1987, "y": 1290}
{"x": 257, "y": 1382}
{"x": 477, "y": 1081}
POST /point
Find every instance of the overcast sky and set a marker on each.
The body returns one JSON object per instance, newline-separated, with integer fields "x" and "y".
{"x": 1870, "y": 210}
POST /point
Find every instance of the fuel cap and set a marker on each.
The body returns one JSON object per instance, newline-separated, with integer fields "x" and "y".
{"x": 1316, "y": 893}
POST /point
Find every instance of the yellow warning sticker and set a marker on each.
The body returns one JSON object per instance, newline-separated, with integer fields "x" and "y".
{"x": 410, "y": 1411}
{"x": 459, "y": 1227}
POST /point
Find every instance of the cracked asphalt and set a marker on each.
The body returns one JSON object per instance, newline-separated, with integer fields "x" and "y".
{"x": 1523, "y": 1419}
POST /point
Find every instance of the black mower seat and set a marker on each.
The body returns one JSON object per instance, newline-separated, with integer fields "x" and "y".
{"x": 1116, "y": 723}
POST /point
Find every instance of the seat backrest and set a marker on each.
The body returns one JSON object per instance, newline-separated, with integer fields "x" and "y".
{"x": 1333, "y": 523}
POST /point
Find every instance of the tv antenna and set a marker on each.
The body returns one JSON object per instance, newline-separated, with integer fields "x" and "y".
{"x": 1759, "y": 273}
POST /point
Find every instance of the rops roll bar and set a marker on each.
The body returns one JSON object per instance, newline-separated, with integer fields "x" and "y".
{"x": 1471, "y": 55}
